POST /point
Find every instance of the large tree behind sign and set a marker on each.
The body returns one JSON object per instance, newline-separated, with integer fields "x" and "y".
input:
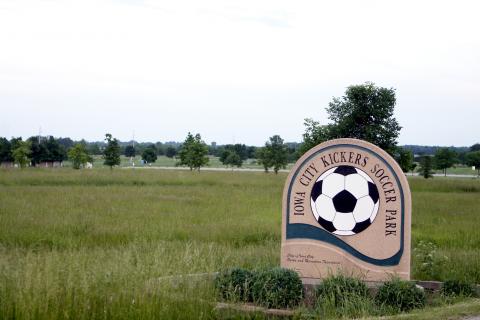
{"x": 364, "y": 112}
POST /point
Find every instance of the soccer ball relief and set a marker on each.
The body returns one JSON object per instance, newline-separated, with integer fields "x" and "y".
{"x": 344, "y": 200}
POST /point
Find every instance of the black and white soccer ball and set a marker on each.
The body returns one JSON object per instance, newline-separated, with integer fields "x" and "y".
{"x": 344, "y": 200}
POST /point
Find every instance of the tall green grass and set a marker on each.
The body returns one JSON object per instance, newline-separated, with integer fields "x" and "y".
{"x": 446, "y": 213}
{"x": 97, "y": 244}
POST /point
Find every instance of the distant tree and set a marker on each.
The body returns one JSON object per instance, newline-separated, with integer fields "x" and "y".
{"x": 263, "y": 158}
{"x": 364, "y": 112}
{"x": 94, "y": 148}
{"x": 234, "y": 159}
{"x": 293, "y": 151}
{"x": 462, "y": 157}
{"x": 273, "y": 155}
{"x": 5, "y": 150}
{"x": 15, "y": 142}
{"x": 213, "y": 149}
{"x": 38, "y": 150}
{"x": 160, "y": 148}
{"x": 55, "y": 151}
{"x": 231, "y": 158}
{"x": 46, "y": 149}
{"x": 170, "y": 151}
{"x": 475, "y": 147}
{"x": 278, "y": 152}
{"x": 140, "y": 147}
{"x": 193, "y": 152}
{"x": 149, "y": 155}
{"x": 404, "y": 158}
{"x": 21, "y": 153}
{"x": 426, "y": 167}
{"x": 251, "y": 152}
{"x": 129, "y": 151}
{"x": 224, "y": 152}
{"x": 79, "y": 156}
{"x": 66, "y": 143}
{"x": 473, "y": 159}
{"x": 414, "y": 166}
{"x": 111, "y": 154}
{"x": 445, "y": 158}
{"x": 241, "y": 150}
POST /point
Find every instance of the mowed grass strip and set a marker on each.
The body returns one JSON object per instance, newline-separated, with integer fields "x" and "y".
{"x": 86, "y": 244}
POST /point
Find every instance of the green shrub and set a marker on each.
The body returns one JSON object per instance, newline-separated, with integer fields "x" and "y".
{"x": 457, "y": 288}
{"x": 339, "y": 288}
{"x": 234, "y": 284}
{"x": 277, "y": 288}
{"x": 400, "y": 295}
{"x": 342, "y": 296}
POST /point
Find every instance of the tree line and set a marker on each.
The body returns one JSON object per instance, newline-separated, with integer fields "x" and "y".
{"x": 192, "y": 153}
{"x": 445, "y": 158}
{"x": 365, "y": 112}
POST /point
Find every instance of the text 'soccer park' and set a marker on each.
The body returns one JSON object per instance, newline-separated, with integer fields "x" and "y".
{"x": 346, "y": 208}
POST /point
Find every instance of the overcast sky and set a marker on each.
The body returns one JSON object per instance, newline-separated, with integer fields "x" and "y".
{"x": 234, "y": 71}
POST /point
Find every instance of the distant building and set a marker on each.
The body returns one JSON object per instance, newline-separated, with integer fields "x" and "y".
{"x": 50, "y": 164}
{"x": 7, "y": 164}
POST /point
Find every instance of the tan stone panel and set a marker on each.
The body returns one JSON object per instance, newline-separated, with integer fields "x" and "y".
{"x": 329, "y": 183}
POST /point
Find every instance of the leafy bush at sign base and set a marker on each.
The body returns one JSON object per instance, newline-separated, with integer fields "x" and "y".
{"x": 340, "y": 288}
{"x": 400, "y": 295}
{"x": 277, "y": 288}
{"x": 457, "y": 288}
{"x": 234, "y": 284}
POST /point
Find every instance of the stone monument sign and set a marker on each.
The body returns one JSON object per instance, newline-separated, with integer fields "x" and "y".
{"x": 346, "y": 208}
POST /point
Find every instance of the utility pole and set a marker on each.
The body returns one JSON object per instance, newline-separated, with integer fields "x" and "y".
{"x": 133, "y": 145}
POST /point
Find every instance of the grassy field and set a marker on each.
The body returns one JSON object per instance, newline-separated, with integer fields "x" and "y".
{"x": 163, "y": 161}
{"x": 214, "y": 162}
{"x": 459, "y": 169}
{"x": 97, "y": 244}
